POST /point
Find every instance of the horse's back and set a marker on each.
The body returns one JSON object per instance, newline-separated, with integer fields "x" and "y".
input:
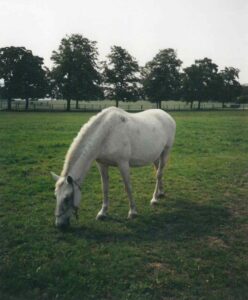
{"x": 144, "y": 116}
{"x": 145, "y": 124}
{"x": 158, "y": 114}
{"x": 138, "y": 137}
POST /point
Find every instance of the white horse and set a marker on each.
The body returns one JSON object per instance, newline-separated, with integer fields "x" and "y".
{"x": 114, "y": 138}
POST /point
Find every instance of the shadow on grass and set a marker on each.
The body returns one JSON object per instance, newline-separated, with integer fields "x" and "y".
{"x": 180, "y": 221}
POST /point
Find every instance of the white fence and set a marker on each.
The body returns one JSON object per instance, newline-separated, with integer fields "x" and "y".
{"x": 61, "y": 105}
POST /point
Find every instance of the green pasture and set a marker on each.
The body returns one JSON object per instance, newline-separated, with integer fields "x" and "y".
{"x": 194, "y": 245}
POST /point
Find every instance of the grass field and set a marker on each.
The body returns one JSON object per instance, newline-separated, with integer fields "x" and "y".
{"x": 194, "y": 245}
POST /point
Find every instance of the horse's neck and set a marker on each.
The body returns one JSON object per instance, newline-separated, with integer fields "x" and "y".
{"x": 84, "y": 152}
{"x": 82, "y": 165}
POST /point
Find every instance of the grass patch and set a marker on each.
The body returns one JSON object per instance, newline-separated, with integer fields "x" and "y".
{"x": 192, "y": 246}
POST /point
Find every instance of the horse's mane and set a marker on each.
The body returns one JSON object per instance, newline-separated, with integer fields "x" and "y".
{"x": 84, "y": 140}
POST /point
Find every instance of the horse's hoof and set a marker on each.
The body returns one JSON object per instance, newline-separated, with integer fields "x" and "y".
{"x": 101, "y": 217}
{"x": 154, "y": 202}
{"x": 161, "y": 194}
{"x": 132, "y": 215}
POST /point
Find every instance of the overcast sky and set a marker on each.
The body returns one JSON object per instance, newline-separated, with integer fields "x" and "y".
{"x": 217, "y": 29}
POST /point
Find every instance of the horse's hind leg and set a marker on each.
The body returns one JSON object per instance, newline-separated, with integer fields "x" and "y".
{"x": 160, "y": 165}
{"x": 103, "y": 169}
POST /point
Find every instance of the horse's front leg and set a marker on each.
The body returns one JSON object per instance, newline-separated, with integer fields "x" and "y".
{"x": 103, "y": 169}
{"x": 125, "y": 173}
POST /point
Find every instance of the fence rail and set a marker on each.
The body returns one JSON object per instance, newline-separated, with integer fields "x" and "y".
{"x": 94, "y": 106}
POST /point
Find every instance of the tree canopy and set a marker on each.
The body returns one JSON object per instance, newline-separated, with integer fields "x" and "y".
{"x": 161, "y": 76}
{"x": 121, "y": 75}
{"x": 77, "y": 74}
{"x": 231, "y": 87}
{"x": 75, "y": 69}
{"x": 23, "y": 74}
{"x": 244, "y": 94}
{"x": 201, "y": 80}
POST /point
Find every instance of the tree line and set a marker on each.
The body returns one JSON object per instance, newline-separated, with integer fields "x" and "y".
{"x": 77, "y": 74}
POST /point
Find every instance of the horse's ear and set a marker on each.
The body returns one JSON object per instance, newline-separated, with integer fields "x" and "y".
{"x": 69, "y": 179}
{"x": 55, "y": 176}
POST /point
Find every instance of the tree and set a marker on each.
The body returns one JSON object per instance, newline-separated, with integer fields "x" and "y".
{"x": 75, "y": 69}
{"x": 231, "y": 87}
{"x": 244, "y": 94}
{"x": 244, "y": 90}
{"x": 23, "y": 74}
{"x": 121, "y": 76}
{"x": 201, "y": 81}
{"x": 161, "y": 76}
{"x": 1, "y": 88}
{"x": 191, "y": 82}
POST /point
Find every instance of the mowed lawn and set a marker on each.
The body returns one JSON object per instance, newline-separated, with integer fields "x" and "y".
{"x": 194, "y": 245}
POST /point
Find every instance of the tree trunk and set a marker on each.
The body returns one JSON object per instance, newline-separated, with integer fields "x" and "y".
{"x": 9, "y": 104}
{"x": 191, "y": 104}
{"x": 68, "y": 107}
{"x": 77, "y": 107}
{"x": 159, "y": 104}
{"x": 199, "y": 104}
{"x": 27, "y": 104}
{"x": 117, "y": 103}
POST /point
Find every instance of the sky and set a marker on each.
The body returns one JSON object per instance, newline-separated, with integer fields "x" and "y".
{"x": 217, "y": 29}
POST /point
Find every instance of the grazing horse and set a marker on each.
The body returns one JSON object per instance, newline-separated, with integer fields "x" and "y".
{"x": 114, "y": 138}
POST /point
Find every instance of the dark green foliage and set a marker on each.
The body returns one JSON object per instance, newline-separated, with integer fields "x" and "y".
{"x": 200, "y": 81}
{"x": 76, "y": 76}
{"x": 203, "y": 82}
{"x": 161, "y": 76}
{"x": 231, "y": 87}
{"x": 244, "y": 90}
{"x": 75, "y": 69}
{"x": 121, "y": 76}
{"x": 192, "y": 246}
{"x": 23, "y": 74}
{"x": 244, "y": 94}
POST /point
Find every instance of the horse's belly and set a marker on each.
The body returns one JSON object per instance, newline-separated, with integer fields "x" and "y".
{"x": 139, "y": 162}
{"x": 107, "y": 161}
{"x": 133, "y": 162}
{"x": 144, "y": 157}
{"x": 146, "y": 148}
{"x": 136, "y": 156}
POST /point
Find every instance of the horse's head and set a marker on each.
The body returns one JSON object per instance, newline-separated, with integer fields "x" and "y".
{"x": 68, "y": 195}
